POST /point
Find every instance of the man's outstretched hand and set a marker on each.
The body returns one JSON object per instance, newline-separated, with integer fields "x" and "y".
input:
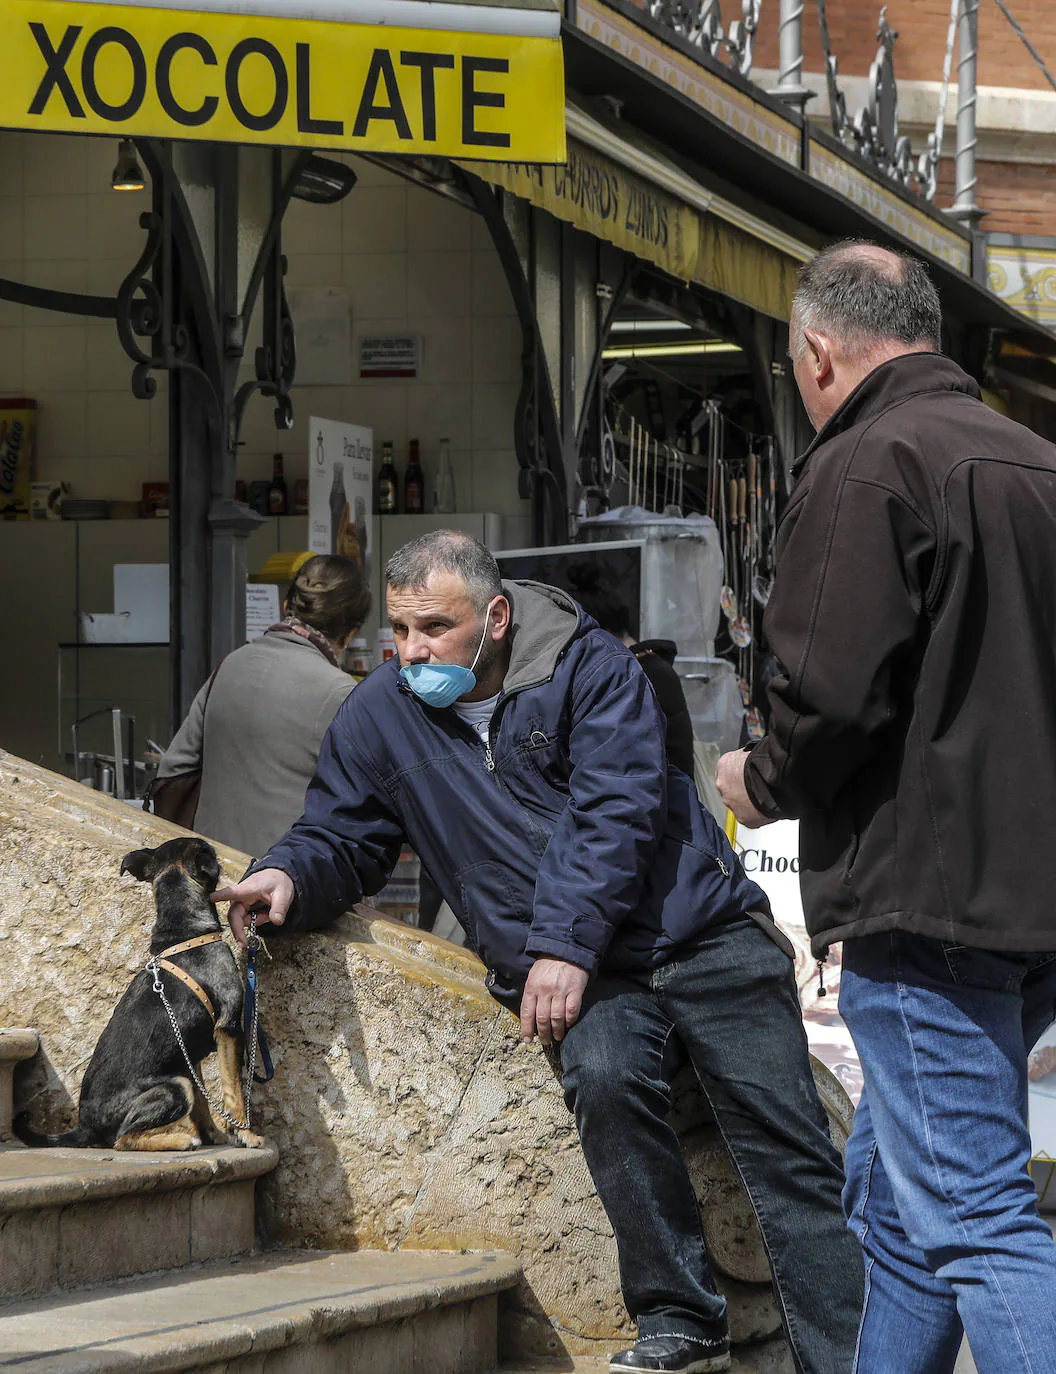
{"x": 270, "y": 893}
{"x": 552, "y": 999}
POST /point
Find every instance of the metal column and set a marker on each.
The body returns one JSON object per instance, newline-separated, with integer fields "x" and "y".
{"x": 790, "y": 86}
{"x": 964, "y": 206}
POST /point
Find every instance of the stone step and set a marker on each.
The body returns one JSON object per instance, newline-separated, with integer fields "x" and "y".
{"x": 15, "y": 1045}
{"x": 293, "y": 1312}
{"x": 72, "y": 1217}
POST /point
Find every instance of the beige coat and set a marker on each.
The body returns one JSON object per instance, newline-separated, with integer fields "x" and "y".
{"x": 257, "y": 740}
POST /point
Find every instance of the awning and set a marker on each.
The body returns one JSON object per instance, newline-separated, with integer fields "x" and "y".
{"x": 466, "y": 80}
{"x": 622, "y": 190}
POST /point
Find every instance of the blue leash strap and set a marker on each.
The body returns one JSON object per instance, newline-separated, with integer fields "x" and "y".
{"x": 249, "y": 1005}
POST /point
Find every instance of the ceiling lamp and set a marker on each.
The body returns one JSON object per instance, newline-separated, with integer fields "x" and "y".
{"x": 323, "y": 181}
{"x": 128, "y": 175}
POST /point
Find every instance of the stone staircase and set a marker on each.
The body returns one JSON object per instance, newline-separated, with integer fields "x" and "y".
{"x": 114, "y": 1261}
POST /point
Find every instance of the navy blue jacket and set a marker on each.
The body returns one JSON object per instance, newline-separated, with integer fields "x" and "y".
{"x": 572, "y": 838}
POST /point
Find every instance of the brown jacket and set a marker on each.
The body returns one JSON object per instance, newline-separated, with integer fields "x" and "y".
{"x": 914, "y": 727}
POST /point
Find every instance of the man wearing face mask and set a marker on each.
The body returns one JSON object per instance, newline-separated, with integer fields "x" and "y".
{"x": 520, "y": 749}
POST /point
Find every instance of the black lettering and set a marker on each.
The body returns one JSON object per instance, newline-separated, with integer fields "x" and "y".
{"x": 94, "y": 46}
{"x": 381, "y": 69}
{"x": 782, "y": 864}
{"x": 472, "y": 100}
{"x": 427, "y": 64}
{"x": 55, "y": 76}
{"x": 305, "y": 123}
{"x": 262, "y": 48}
{"x": 766, "y": 863}
{"x": 748, "y": 859}
{"x": 663, "y": 226}
{"x": 163, "y": 79}
{"x": 793, "y": 865}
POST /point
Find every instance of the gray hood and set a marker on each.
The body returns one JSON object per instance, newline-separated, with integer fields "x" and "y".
{"x": 544, "y": 622}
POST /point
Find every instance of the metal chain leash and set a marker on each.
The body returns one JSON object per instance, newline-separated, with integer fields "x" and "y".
{"x": 253, "y": 942}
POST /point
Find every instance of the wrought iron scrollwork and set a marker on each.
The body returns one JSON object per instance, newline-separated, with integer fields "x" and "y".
{"x": 145, "y": 311}
{"x": 275, "y": 361}
{"x": 873, "y": 130}
{"x": 700, "y": 22}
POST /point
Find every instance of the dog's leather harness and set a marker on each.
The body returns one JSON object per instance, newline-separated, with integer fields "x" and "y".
{"x": 185, "y": 978}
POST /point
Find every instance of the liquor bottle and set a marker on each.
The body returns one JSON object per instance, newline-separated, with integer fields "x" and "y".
{"x": 414, "y": 483}
{"x": 387, "y": 483}
{"x": 444, "y": 496}
{"x": 277, "y": 499}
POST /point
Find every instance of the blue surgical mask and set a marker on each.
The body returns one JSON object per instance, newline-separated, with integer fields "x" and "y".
{"x": 441, "y": 684}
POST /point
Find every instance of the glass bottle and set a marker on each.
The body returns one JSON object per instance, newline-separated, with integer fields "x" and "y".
{"x": 414, "y": 483}
{"x": 278, "y": 501}
{"x": 387, "y": 483}
{"x": 444, "y": 496}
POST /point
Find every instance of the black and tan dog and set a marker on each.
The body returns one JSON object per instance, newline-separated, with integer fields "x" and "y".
{"x": 136, "y": 1093}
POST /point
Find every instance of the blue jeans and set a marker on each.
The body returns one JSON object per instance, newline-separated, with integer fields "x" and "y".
{"x": 730, "y": 1006}
{"x": 938, "y": 1190}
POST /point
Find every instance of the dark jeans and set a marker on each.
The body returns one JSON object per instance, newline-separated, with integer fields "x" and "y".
{"x": 730, "y": 1006}
{"x": 937, "y": 1184}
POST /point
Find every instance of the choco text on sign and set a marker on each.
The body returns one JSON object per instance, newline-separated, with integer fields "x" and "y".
{"x": 115, "y": 69}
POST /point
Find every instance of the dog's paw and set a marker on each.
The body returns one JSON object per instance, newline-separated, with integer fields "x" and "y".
{"x": 249, "y": 1140}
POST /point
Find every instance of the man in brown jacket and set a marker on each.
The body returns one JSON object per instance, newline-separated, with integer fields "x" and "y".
{"x": 914, "y": 735}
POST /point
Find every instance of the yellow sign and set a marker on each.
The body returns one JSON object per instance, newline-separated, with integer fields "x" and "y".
{"x": 597, "y": 195}
{"x": 123, "y": 69}
{"x": 608, "y": 200}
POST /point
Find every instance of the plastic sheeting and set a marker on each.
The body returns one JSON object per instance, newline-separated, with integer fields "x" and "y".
{"x": 681, "y": 573}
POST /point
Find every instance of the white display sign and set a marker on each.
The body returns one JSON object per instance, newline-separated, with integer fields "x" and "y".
{"x": 341, "y": 490}
{"x": 771, "y": 858}
{"x": 262, "y": 608}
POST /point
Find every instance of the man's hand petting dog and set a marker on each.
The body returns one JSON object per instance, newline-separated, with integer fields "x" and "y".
{"x": 269, "y": 893}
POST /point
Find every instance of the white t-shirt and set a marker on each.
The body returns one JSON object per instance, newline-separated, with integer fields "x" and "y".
{"x": 478, "y": 714}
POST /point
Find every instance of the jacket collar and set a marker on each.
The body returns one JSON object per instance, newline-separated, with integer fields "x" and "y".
{"x": 544, "y": 622}
{"x": 912, "y": 374}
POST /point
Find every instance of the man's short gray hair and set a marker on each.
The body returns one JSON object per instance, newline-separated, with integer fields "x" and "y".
{"x": 865, "y": 295}
{"x": 446, "y": 551}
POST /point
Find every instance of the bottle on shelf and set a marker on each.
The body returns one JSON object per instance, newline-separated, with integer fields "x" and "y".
{"x": 444, "y": 496}
{"x": 278, "y": 501}
{"x": 387, "y": 483}
{"x": 414, "y": 483}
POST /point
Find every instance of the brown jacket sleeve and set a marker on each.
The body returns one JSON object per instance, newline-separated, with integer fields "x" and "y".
{"x": 853, "y": 564}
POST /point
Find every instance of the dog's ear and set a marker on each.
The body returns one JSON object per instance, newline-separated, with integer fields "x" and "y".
{"x": 140, "y": 863}
{"x": 207, "y": 866}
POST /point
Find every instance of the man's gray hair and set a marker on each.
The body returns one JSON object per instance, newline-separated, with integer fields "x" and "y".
{"x": 865, "y": 295}
{"x": 446, "y": 551}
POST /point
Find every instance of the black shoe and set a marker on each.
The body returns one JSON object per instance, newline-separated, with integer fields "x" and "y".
{"x": 674, "y": 1355}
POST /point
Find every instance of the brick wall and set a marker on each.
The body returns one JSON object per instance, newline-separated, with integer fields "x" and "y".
{"x": 1020, "y": 198}
{"x": 921, "y": 26}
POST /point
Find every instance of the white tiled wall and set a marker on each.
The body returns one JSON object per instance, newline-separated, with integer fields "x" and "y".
{"x": 410, "y": 260}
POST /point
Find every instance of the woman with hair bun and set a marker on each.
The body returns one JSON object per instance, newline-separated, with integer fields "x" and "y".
{"x": 253, "y": 732}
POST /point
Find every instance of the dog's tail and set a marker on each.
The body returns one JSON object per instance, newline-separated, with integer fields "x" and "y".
{"x": 21, "y": 1127}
